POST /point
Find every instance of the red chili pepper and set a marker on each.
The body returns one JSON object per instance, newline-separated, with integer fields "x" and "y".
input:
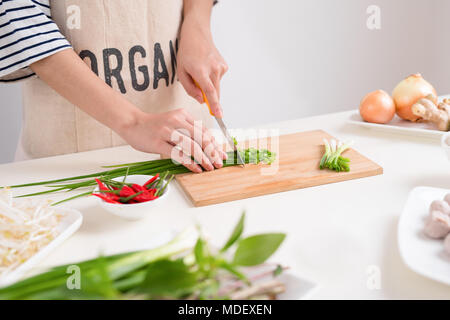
{"x": 137, "y": 187}
{"x": 130, "y": 198}
{"x": 146, "y": 196}
{"x": 126, "y": 191}
{"x": 113, "y": 196}
{"x": 101, "y": 186}
{"x": 151, "y": 180}
{"x": 105, "y": 198}
{"x": 110, "y": 194}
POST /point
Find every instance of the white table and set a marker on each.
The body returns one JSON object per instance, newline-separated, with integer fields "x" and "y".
{"x": 335, "y": 232}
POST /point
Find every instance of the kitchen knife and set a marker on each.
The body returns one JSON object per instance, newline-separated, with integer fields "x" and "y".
{"x": 222, "y": 127}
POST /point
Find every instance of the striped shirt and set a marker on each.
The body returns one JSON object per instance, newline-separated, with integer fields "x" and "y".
{"x": 27, "y": 35}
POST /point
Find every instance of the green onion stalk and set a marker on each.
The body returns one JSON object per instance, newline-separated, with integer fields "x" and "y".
{"x": 333, "y": 159}
{"x": 250, "y": 156}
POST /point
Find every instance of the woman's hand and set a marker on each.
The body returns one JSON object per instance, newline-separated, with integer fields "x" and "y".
{"x": 198, "y": 58}
{"x": 174, "y": 135}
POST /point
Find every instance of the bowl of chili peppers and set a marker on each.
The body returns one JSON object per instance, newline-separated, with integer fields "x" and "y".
{"x": 132, "y": 197}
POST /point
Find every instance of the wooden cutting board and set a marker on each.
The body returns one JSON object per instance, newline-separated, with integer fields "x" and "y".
{"x": 297, "y": 167}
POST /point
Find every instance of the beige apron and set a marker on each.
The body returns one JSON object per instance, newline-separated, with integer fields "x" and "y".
{"x": 130, "y": 44}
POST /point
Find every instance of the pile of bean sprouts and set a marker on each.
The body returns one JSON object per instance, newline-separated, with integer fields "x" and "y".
{"x": 26, "y": 226}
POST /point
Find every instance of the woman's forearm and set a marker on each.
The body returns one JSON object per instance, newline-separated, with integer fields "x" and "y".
{"x": 199, "y": 61}
{"x": 68, "y": 75}
{"x": 198, "y": 11}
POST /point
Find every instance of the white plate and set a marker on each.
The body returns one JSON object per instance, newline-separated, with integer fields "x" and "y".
{"x": 445, "y": 143}
{"x": 297, "y": 288}
{"x": 423, "y": 255}
{"x": 69, "y": 224}
{"x": 398, "y": 125}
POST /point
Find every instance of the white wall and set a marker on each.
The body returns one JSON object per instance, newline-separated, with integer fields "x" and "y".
{"x": 295, "y": 58}
{"x": 10, "y": 120}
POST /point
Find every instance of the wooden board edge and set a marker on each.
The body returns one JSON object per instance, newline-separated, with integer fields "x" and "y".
{"x": 204, "y": 203}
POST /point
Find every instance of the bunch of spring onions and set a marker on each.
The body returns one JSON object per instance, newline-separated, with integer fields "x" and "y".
{"x": 153, "y": 167}
{"x": 188, "y": 267}
{"x": 332, "y": 159}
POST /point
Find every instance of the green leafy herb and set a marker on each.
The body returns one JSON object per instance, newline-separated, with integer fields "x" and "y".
{"x": 255, "y": 250}
{"x": 200, "y": 253}
{"x": 177, "y": 270}
{"x": 236, "y": 234}
{"x": 166, "y": 278}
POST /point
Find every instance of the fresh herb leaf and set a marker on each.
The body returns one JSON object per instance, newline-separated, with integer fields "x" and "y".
{"x": 200, "y": 253}
{"x": 231, "y": 269}
{"x": 236, "y": 234}
{"x": 168, "y": 278}
{"x": 257, "y": 249}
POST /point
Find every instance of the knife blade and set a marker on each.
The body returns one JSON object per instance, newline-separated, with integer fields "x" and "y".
{"x": 222, "y": 127}
{"x": 230, "y": 140}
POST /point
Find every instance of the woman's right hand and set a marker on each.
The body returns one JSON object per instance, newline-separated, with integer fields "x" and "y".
{"x": 174, "y": 135}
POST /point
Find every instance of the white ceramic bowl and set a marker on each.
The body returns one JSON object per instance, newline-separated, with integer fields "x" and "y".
{"x": 135, "y": 211}
{"x": 446, "y": 144}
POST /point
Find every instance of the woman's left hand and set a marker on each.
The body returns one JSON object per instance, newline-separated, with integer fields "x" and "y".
{"x": 199, "y": 59}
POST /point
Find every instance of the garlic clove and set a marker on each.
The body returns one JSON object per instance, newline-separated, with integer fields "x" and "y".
{"x": 440, "y": 205}
{"x": 438, "y": 226}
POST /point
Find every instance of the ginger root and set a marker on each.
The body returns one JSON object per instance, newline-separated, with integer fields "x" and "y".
{"x": 439, "y": 114}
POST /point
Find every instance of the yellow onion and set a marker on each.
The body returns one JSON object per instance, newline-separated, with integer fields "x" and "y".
{"x": 377, "y": 107}
{"x": 408, "y": 92}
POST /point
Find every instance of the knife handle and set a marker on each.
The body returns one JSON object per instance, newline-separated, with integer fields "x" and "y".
{"x": 204, "y": 98}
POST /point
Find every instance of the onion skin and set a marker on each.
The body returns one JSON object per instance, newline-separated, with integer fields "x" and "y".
{"x": 408, "y": 92}
{"x": 377, "y": 107}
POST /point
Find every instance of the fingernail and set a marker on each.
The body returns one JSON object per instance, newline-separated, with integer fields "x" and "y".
{"x": 198, "y": 170}
{"x": 199, "y": 99}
